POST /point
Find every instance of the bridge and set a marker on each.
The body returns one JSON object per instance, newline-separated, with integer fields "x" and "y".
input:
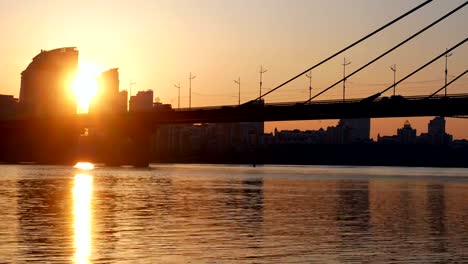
{"x": 44, "y": 133}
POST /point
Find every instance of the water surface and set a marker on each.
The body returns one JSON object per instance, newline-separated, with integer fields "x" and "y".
{"x": 226, "y": 214}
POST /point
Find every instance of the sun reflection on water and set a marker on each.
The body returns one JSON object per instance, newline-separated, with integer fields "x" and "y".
{"x": 84, "y": 166}
{"x": 82, "y": 195}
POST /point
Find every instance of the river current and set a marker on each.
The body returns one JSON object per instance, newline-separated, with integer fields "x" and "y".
{"x": 233, "y": 214}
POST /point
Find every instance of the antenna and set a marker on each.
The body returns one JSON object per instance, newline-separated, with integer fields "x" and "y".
{"x": 446, "y": 70}
{"x": 345, "y": 63}
{"x": 393, "y": 68}
{"x": 262, "y": 71}
{"x": 239, "y": 83}
{"x": 178, "y": 99}
{"x": 309, "y": 75}
{"x": 190, "y": 89}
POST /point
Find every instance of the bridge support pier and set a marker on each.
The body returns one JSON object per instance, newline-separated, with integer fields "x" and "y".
{"x": 139, "y": 149}
{"x": 120, "y": 144}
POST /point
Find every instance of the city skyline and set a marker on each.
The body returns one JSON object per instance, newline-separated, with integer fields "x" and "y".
{"x": 223, "y": 40}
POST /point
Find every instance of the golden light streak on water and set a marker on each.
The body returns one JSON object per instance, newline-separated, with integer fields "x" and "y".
{"x": 82, "y": 195}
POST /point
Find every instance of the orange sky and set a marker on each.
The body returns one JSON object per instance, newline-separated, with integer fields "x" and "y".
{"x": 157, "y": 43}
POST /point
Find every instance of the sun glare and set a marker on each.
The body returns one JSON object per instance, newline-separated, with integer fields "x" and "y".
{"x": 85, "y": 85}
{"x": 84, "y": 166}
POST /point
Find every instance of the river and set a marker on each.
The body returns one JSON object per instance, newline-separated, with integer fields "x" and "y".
{"x": 233, "y": 214}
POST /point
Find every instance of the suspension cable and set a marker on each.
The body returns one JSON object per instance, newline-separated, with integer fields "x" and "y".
{"x": 390, "y": 50}
{"x": 456, "y": 78}
{"x": 377, "y": 95}
{"x": 345, "y": 49}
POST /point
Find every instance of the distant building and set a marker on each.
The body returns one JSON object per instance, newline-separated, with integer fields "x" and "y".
{"x": 338, "y": 135}
{"x": 108, "y": 98}
{"x": 387, "y": 139}
{"x": 161, "y": 107}
{"x": 46, "y": 84}
{"x": 300, "y": 137}
{"x": 436, "y": 132}
{"x": 251, "y": 133}
{"x": 359, "y": 128}
{"x": 406, "y": 134}
{"x": 436, "y": 126}
{"x": 8, "y": 106}
{"x": 122, "y": 102}
{"x": 142, "y": 102}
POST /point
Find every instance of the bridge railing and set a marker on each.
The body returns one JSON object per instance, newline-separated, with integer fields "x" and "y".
{"x": 321, "y": 102}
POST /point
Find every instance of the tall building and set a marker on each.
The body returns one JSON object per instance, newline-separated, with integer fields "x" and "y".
{"x": 46, "y": 84}
{"x": 436, "y": 126}
{"x": 359, "y": 128}
{"x": 142, "y": 102}
{"x": 406, "y": 134}
{"x": 436, "y": 132}
{"x": 108, "y": 98}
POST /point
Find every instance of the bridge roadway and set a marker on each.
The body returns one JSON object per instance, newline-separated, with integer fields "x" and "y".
{"x": 454, "y": 105}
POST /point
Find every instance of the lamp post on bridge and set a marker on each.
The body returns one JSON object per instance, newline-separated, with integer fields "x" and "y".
{"x": 190, "y": 89}
{"x": 309, "y": 75}
{"x": 178, "y": 98}
{"x": 446, "y": 70}
{"x": 239, "y": 84}
{"x": 393, "y": 68}
{"x": 130, "y": 92}
{"x": 262, "y": 71}
{"x": 345, "y": 63}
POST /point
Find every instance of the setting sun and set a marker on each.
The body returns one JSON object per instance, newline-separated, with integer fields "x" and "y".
{"x": 85, "y": 85}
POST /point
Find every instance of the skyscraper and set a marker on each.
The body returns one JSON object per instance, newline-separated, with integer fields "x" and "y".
{"x": 109, "y": 99}
{"x": 436, "y": 132}
{"x": 46, "y": 84}
{"x": 436, "y": 126}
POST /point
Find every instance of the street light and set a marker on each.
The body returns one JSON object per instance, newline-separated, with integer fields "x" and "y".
{"x": 178, "y": 99}
{"x": 190, "y": 89}
{"x": 393, "y": 68}
{"x": 446, "y": 70}
{"x": 345, "y": 63}
{"x": 262, "y": 71}
{"x": 309, "y": 75}
{"x": 130, "y": 92}
{"x": 238, "y": 82}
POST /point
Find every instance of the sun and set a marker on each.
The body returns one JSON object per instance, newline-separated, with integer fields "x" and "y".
{"x": 85, "y": 85}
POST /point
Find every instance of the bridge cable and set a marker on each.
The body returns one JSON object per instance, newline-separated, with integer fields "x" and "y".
{"x": 390, "y": 50}
{"x": 345, "y": 49}
{"x": 377, "y": 95}
{"x": 456, "y": 78}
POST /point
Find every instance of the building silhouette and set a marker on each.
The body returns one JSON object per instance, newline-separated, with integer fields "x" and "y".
{"x": 406, "y": 134}
{"x": 8, "y": 106}
{"x": 436, "y": 126}
{"x": 436, "y": 132}
{"x": 359, "y": 128}
{"x": 142, "y": 101}
{"x": 108, "y": 98}
{"x": 46, "y": 84}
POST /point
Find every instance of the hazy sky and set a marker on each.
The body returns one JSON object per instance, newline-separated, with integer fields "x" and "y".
{"x": 157, "y": 43}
